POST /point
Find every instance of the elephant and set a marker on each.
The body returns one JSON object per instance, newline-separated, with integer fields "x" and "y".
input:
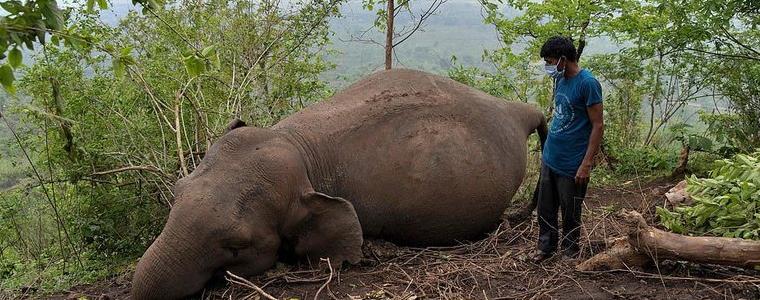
{"x": 402, "y": 155}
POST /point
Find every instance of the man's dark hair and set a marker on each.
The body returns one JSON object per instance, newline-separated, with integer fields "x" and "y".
{"x": 559, "y": 46}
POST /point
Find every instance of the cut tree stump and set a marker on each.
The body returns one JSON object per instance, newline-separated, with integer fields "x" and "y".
{"x": 619, "y": 255}
{"x": 645, "y": 244}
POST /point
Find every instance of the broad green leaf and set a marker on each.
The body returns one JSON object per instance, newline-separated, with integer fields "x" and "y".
{"x": 53, "y": 15}
{"x": 15, "y": 58}
{"x": 6, "y": 78}
{"x": 90, "y": 5}
{"x": 208, "y": 51}
{"x": 103, "y": 4}
{"x": 194, "y": 66}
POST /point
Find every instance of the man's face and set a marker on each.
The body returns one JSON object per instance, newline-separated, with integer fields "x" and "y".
{"x": 560, "y": 63}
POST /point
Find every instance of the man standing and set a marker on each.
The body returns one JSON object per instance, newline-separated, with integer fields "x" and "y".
{"x": 574, "y": 137}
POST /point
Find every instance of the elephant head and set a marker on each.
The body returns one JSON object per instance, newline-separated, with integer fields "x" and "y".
{"x": 248, "y": 199}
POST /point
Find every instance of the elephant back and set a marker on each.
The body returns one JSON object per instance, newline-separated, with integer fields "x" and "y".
{"x": 390, "y": 93}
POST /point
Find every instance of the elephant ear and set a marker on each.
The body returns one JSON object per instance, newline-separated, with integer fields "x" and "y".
{"x": 236, "y": 123}
{"x": 331, "y": 229}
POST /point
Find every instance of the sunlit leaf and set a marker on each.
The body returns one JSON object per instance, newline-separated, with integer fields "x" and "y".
{"x": 15, "y": 57}
{"x": 208, "y": 51}
{"x": 194, "y": 66}
{"x": 6, "y": 78}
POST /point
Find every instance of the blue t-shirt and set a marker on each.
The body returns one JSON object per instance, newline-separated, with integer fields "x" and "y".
{"x": 571, "y": 127}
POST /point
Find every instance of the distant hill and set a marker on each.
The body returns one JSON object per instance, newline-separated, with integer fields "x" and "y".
{"x": 456, "y": 30}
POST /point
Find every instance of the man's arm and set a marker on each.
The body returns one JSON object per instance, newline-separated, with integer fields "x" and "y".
{"x": 596, "y": 116}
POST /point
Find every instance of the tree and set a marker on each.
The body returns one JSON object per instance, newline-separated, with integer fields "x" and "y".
{"x": 668, "y": 57}
{"x": 111, "y": 131}
{"x": 388, "y": 20}
{"x": 30, "y": 22}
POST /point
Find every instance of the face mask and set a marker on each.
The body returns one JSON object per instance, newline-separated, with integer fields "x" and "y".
{"x": 552, "y": 71}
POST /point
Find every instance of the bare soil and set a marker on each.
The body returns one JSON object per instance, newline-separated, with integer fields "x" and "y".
{"x": 497, "y": 267}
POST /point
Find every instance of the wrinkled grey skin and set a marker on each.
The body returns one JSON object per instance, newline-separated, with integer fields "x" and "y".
{"x": 402, "y": 155}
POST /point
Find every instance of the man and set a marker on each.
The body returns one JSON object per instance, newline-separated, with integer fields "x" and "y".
{"x": 574, "y": 137}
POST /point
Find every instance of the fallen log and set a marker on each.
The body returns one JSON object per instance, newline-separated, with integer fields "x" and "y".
{"x": 620, "y": 255}
{"x": 645, "y": 244}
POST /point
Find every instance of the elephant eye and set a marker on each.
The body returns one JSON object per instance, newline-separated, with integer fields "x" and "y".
{"x": 234, "y": 250}
{"x": 235, "y": 247}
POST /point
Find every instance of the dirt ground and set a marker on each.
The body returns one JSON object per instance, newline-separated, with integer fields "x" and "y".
{"x": 497, "y": 267}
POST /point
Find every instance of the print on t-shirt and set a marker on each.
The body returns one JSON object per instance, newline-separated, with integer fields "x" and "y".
{"x": 564, "y": 114}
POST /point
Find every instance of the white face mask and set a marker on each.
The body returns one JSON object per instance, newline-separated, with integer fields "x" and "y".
{"x": 552, "y": 71}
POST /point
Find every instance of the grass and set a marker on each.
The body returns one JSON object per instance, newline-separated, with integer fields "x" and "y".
{"x": 11, "y": 172}
{"x": 50, "y": 273}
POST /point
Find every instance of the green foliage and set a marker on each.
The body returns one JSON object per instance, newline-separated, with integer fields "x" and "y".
{"x": 30, "y": 22}
{"x": 110, "y": 131}
{"x": 7, "y": 78}
{"x": 15, "y": 58}
{"x": 730, "y": 135}
{"x": 112, "y": 116}
{"x": 683, "y": 133}
{"x": 105, "y": 229}
{"x": 495, "y": 84}
{"x": 623, "y": 101}
{"x": 725, "y": 204}
{"x": 739, "y": 82}
{"x": 670, "y": 56}
{"x": 643, "y": 160}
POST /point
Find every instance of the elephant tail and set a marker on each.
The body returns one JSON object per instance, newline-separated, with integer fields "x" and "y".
{"x": 542, "y": 130}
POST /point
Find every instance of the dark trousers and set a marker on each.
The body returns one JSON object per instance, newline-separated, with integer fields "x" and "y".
{"x": 554, "y": 192}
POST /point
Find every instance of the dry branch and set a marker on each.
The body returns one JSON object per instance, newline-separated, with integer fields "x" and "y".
{"x": 644, "y": 241}
{"x": 316, "y": 296}
{"x": 150, "y": 169}
{"x": 242, "y": 281}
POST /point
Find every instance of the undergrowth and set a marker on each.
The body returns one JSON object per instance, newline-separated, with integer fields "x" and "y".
{"x": 727, "y": 203}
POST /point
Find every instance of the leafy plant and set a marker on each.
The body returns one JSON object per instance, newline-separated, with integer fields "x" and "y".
{"x": 644, "y": 160}
{"x": 683, "y": 133}
{"x": 730, "y": 133}
{"x": 25, "y": 23}
{"x": 110, "y": 131}
{"x": 725, "y": 204}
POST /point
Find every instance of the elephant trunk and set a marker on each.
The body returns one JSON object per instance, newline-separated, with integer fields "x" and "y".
{"x": 170, "y": 269}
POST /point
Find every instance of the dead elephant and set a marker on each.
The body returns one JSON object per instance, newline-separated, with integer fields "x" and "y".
{"x": 401, "y": 155}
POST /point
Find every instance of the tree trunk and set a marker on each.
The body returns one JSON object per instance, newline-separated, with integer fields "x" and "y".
{"x": 582, "y": 39}
{"x": 612, "y": 162}
{"x": 389, "y": 36}
{"x": 619, "y": 256}
{"x": 659, "y": 245}
{"x": 683, "y": 162}
{"x": 57, "y": 105}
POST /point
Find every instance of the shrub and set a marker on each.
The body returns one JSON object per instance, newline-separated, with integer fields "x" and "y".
{"x": 644, "y": 160}
{"x": 725, "y": 204}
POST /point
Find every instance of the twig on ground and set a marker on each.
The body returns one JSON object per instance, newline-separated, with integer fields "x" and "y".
{"x": 316, "y": 296}
{"x": 242, "y": 281}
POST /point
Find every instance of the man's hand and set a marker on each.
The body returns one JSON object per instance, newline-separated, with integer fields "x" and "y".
{"x": 583, "y": 174}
